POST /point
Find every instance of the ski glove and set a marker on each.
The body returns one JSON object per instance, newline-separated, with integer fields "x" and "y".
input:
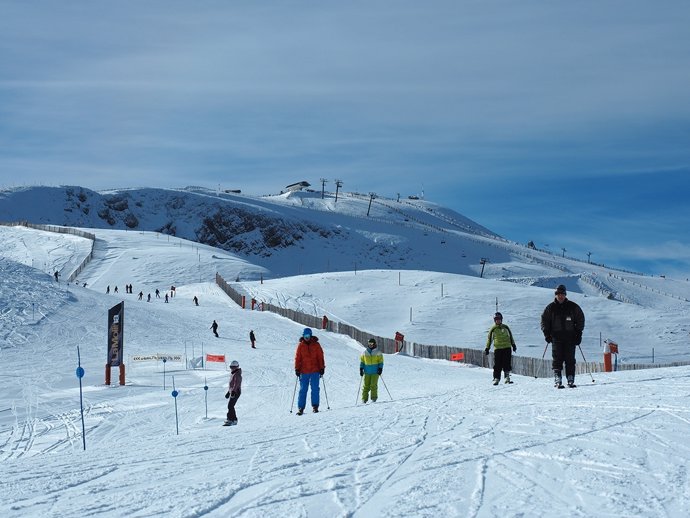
{"x": 297, "y": 372}
{"x": 227, "y": 395}
{"x": 578, "y": 338}
{"x": 548, "y": 339}
{"x": 322, "y": 372}
{"x": 486, "y": 351}
{"x": 361, "y": 372}
{"x": 514, "y": 347}
{"x": 380, "y": 371}
{"x": 233, "y": 394}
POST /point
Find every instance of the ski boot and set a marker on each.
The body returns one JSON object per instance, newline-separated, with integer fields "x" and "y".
{"x": 557, "y": 380}
{"x": 300, "y": 411}
{"x": 315, "y": 409}
{"x": 496, "y": 380}
{"x": 571, "y": 382}
{"x": 508, "y": 380}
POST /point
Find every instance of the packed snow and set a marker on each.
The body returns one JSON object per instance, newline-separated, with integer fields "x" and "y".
{"x": 440, "y": 441}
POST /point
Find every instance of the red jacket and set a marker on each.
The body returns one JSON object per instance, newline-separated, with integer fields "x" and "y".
{"x": 309, "y": 356}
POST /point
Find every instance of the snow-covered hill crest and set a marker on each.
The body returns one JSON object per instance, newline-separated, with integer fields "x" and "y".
{"x": 308, "y": 232}
{"x": 271, "y": 230}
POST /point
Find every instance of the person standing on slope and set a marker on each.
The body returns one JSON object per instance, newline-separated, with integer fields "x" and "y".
{"x": 503, "y": 342}
{"x": 252, "y": 338}
{"x": 214, "y": 328}
{"x": 562, "y": 323}
{"x": 309, "y": 368}
{"x": 371, "y": 367}
{"x": 233, "y": 393}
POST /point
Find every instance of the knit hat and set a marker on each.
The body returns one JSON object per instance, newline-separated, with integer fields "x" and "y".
{"x": 234, "y": 364}
{"x": 372, "y": 343}
{"x": 498, "y": 315}
{"x": 561, "y": 289}
{"x": 306, "y": 333}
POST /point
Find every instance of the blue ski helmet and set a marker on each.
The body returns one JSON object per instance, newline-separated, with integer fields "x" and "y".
{"x": 306, "y": 333}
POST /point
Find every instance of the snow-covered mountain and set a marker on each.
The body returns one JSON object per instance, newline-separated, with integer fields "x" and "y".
{"x": 272, "y": 231}
{"x": 309, "y": 232}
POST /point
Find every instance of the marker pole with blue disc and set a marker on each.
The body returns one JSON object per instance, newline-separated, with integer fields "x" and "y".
{"x": 80, "y": 375}
{"x": 206, "y": 396}
{"x": 175, "y": 393}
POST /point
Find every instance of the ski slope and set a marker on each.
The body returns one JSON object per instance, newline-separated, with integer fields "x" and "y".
{"x": 441, "y": 440}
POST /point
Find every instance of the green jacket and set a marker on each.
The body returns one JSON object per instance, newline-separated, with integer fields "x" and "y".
{"x": 501, "y": 336}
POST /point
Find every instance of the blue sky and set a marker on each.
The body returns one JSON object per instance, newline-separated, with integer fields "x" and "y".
{"x": 565, "y": 123}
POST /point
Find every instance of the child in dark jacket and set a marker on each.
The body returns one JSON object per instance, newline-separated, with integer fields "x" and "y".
{"x": 233, "y": 393}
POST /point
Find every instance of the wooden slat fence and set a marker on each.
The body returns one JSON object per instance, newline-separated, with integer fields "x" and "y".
{"x": 523, "y": 365}
{"x": 61, "y": 230}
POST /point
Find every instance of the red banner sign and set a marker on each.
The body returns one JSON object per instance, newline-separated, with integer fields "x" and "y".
{"x": 215, "y": 358}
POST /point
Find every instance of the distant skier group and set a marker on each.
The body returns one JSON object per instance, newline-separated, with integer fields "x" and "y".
{"x": 140, "y": 295}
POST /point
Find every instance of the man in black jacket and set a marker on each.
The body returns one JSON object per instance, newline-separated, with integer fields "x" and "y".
{"x": 562, "y": 323}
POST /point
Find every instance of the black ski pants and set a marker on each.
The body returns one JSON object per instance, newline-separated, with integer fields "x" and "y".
{"x": 564, "y": 352}
{"x": 502, "y": 362}
{"x": 232, "y": 416}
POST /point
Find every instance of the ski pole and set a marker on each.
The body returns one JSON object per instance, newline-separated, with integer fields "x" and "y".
{"x": 358, "y": 389}
{"x": 542, "y": 359}
{"x": 384, "y": 384}
{"x": 325, "y": 393}
{"x": 583, "y": 359}
{"x": 293, "y": 394}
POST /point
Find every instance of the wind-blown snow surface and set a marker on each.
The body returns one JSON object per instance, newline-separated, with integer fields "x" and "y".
{"x": 444, "y": 443}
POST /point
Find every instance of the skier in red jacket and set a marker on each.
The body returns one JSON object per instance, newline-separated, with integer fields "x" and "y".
{"x": 309, "y": 368}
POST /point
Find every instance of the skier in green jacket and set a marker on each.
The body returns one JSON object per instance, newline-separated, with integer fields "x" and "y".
{"x": 503, "y": 341}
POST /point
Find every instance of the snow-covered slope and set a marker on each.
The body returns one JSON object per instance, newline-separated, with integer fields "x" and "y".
{"x": 440, "y": 441}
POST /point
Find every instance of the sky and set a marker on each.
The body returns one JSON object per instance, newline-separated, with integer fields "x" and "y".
{"x": 505, "y": 113}
{"x": 440, "y": 440}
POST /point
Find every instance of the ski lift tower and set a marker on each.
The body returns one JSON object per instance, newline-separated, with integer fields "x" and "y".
{"x": 482, "y": 261}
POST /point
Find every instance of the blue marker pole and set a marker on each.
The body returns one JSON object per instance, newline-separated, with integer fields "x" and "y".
{"x": 80, "y": 375}
{"x": 206, "y": 396}
{"x": 164, "y": 360}
{"x": 175, "y": 393}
